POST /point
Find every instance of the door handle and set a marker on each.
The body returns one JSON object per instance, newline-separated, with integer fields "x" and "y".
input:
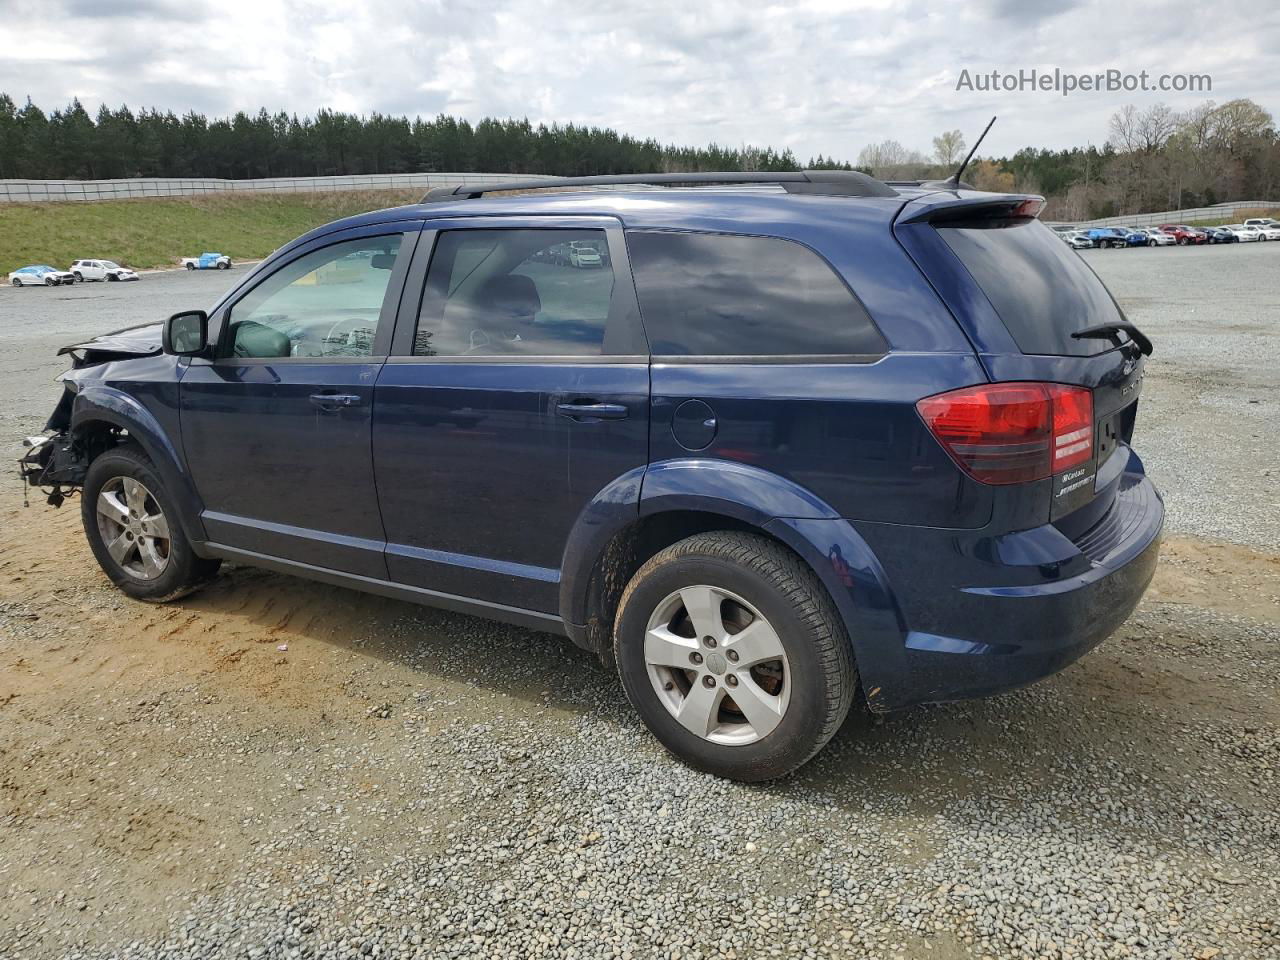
{"x": 593, "y": 411}
{"x": 335, "y": 401}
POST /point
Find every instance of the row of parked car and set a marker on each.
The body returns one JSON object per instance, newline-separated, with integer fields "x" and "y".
{"x": 83, "y": 271}
{"x": 1170, "y": 234}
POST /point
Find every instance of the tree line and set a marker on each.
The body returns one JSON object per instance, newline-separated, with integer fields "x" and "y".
{"x": 1151, "y": 159}
{"x": 68, "y": 144}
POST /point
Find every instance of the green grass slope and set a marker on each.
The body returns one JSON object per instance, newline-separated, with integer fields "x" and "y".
{"x": 155, "y": 232}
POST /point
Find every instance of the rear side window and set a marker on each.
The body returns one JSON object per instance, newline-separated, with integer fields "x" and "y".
{"x": 713, "y": 295}
{"x": 517, "y": 293}
{"x": 1041, "y": 289}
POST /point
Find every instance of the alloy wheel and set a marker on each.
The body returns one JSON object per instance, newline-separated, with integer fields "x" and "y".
{"x": 133, "y": 527}
{"x": 717, "y": 665}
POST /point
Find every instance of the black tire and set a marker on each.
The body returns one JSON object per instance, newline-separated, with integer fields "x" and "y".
{"x": 190, "y": 266}
{"x": 183, "y": 571}
{"x": 112, "y": 278}
{"x": 50, "y": 282}
{"x": 822, "y": 675}
{"x": 15, "y": 282}
{"x": 79, "y": 276}
{"x": 223, "y": 265}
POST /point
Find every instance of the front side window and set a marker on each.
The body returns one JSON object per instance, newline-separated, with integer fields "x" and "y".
{"x": 715, "y": 295}
{"x": 516, "y": 293}
{"x": 324, "y": 304}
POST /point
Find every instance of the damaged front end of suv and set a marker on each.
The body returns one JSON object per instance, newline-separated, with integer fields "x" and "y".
{"x": 56, "y": 461}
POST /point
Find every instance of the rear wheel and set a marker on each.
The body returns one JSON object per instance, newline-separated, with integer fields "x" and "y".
{"x": 134, "y": 532}
{"x": 734, "y": 656}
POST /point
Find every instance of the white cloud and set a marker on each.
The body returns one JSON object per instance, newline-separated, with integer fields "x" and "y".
{"x": 817, "y": 76}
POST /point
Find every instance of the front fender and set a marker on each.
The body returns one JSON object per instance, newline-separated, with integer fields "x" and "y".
{"x": 102, "y": 403}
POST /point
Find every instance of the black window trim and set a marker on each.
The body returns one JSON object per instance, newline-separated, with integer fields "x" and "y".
{"x": 768, "y": 359}
{"x": 624, "y": 300}
{"x": 409, "y": 233}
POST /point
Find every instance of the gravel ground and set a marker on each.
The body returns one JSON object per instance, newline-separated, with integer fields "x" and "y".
{"x": 273, "y": 768}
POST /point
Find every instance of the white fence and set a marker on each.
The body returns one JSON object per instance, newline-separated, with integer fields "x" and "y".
{"x": 1221, "y": 211}
{"x": 33, "y": 191}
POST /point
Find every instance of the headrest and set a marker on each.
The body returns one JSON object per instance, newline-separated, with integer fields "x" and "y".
{"x": 510, "y": 297}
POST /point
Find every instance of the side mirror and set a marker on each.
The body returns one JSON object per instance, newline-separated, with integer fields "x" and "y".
{"x": 186, "y": 334}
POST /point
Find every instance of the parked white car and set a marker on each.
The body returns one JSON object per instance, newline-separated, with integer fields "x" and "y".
{"x": 1262, "y": 222}
{"x": 1077, "y": 240}
{"x": 1269, "y": 231}
{"x": 1158, "y": 238}
{"x": 583, "y": 254}
{"x": 1244, "y": 234}
{"x": 40, "y": 275}
{"x": 101, "y": 270}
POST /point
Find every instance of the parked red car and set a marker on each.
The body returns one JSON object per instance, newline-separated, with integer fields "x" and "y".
{"x": 1184, "y": 234}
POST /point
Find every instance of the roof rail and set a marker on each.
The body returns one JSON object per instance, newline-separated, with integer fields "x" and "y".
{"x": 834, "y": 183}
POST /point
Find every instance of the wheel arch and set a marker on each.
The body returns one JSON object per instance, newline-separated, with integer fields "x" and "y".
{"x": 648, "y": 510}
{"x": 100, "y": 410}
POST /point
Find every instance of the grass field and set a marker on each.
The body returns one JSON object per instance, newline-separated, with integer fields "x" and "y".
{"x": 155, "y": 232}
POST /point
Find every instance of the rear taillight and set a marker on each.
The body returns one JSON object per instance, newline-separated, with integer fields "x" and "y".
{"x": 1013, "y": 432}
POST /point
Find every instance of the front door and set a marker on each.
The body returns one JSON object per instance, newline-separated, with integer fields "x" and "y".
{"x": 276, "y": 428}
{"x": 516, "y": 392}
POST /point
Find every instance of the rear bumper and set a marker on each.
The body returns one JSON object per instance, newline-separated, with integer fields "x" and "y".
{"x": 986, "y": 614}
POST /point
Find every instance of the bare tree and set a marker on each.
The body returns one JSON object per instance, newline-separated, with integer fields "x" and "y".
{"x": 1155, "y": 126}
{"x": 948, "y": 147}
{"x": 890, "y": 159}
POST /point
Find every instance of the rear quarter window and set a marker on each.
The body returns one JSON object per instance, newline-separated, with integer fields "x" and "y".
{"x": 716, "y": 295}
{"x": 1041, "y": 288}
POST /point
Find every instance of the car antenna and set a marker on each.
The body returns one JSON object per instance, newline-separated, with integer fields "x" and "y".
{"x": 954, "y": 180}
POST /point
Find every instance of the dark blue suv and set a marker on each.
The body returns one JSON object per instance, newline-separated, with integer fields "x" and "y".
{"x": 765, "y": 442}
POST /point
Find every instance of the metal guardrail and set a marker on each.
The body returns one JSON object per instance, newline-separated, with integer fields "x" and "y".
{"x": 1221, "y": 211}
{"x": 56, "y": 191}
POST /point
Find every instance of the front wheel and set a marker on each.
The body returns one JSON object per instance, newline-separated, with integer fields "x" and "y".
{"x": 134, "y": 532}
{"x": 190, "y": 266}
{"x": 734, "y": 656}
{"x": 223, "y": 265}
{"x": 15, "y": 282}
{"x": 50, "y": 282}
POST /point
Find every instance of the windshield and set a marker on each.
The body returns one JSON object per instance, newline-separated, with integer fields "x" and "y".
{"x": 110, "y": 265}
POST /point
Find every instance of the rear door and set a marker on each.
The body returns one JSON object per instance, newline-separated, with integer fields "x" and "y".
{"x": 517, "y": 391}
{"x": 1021, "y": 296}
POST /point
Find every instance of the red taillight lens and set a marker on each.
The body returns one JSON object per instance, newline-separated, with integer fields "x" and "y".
{"x": 1013, "y": 432}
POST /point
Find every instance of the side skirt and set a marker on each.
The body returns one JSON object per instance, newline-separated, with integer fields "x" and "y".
{"x": 533, "y": 620}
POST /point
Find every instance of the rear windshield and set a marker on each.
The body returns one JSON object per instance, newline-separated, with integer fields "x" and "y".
{"x": 1038, "y": 285}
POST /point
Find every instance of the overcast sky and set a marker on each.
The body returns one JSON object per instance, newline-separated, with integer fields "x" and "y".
{"x": 822, "y": 76}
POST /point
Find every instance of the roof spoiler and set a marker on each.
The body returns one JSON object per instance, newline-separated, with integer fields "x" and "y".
{"x": 973, "y": 206}
{"x": 829, "y": 183}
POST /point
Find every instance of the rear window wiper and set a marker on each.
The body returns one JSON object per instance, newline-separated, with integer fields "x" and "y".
{"x": 1112, "y": 331}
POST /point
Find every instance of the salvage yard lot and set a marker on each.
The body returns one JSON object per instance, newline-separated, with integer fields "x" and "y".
{"x": 399, "y": 781}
